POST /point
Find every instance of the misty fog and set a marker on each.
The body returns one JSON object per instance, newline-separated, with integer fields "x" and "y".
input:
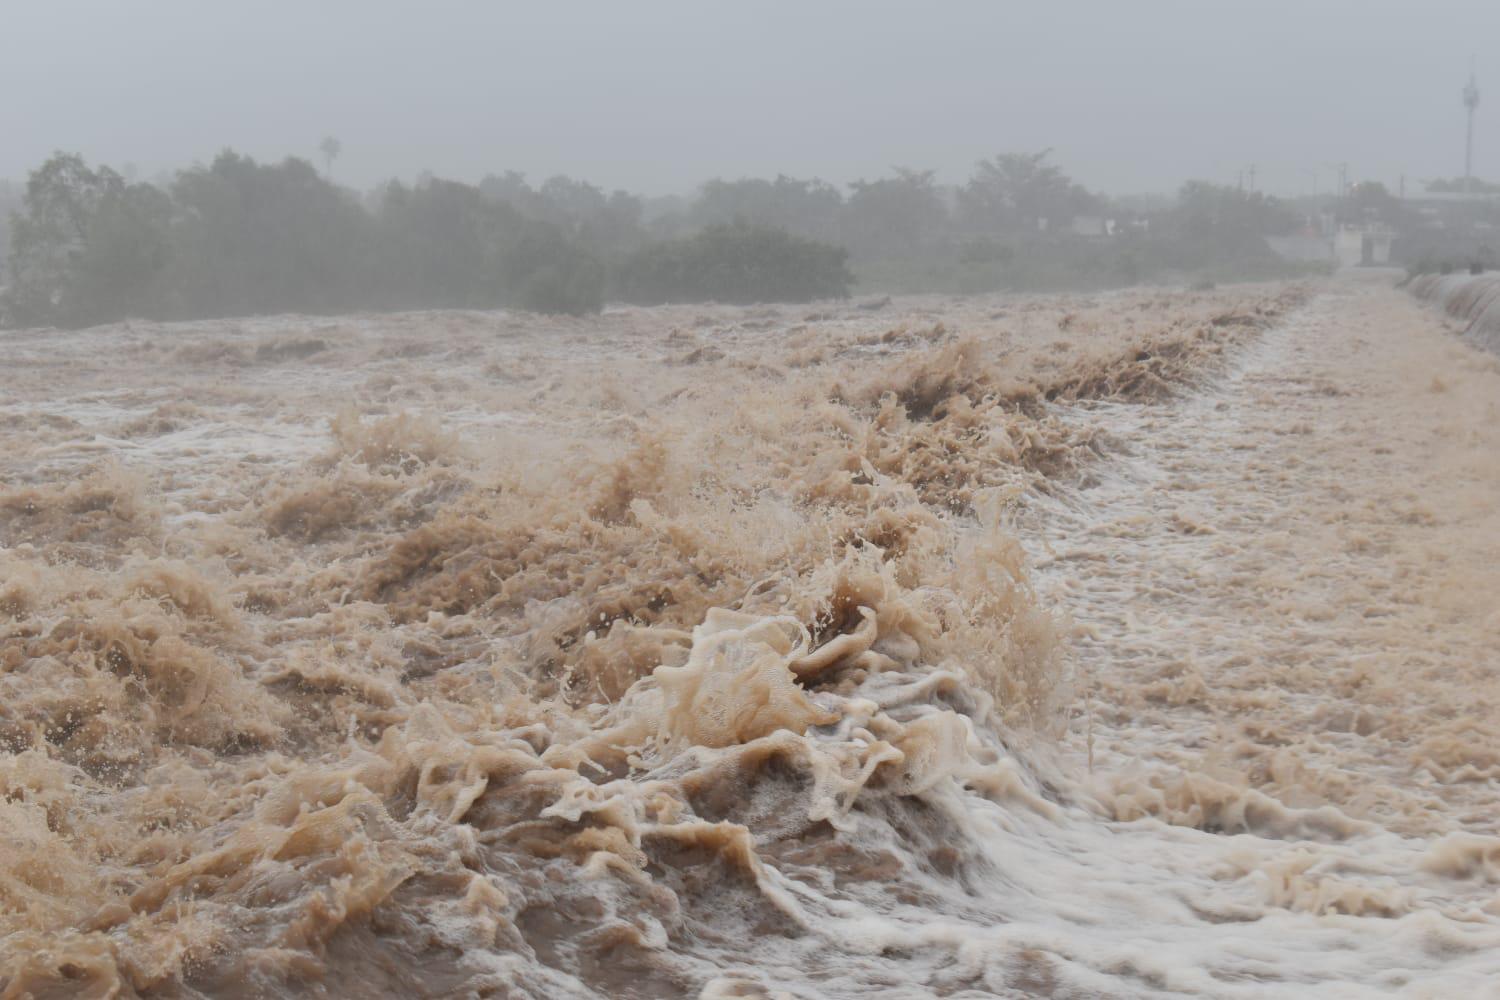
{"x": 666, "y": 500}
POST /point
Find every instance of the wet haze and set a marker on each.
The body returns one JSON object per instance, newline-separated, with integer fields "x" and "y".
{"x": 656, "y": 97}
{"x": 787, "y": 593}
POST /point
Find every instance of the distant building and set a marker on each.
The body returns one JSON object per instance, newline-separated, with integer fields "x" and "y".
{"x": 1449, "y": 210}
{"x": 1305, "y": 247}
{"x": 1366, "y": 245}
{"x": 1449, "y": 227}
{"x": 1091, "y": 225}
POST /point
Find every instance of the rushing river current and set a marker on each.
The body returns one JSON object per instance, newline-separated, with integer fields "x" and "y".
{"x": 1129, "y": 645}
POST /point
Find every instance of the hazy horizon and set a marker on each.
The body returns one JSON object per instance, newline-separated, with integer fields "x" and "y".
{"x": 1131, "y": 100}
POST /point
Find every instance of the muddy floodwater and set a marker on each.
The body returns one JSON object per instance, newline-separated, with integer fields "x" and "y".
{"x": 1140, "y": 644}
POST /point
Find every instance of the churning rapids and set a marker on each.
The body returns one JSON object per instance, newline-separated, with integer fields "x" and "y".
{"x": 1131, "y": 645}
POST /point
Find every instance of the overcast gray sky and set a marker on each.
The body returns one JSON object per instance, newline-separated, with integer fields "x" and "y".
{"x": 1134, "y": 95}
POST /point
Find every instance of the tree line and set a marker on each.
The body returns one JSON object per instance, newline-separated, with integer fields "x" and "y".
{"x": 237, "y": 237}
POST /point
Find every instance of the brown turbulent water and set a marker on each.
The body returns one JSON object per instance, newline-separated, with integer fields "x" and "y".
{"x": 1133, "y": 645}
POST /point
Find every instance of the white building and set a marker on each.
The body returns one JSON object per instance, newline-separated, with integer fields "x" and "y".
{"x": 1304, "y": 247}
{"x": 1357, "y": 246}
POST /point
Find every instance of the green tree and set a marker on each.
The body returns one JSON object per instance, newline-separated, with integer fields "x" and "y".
{"x": 546, "y": 272}
{"x": 330, "y": 148}
{"x": 446, "y": 244}
{"x": 129, "y": 247}
{"x": 10, "y": 203}
{"x": 512, "y": 189}
{"x": 86, "y": 247}
{"x": 253, "y": 238}
{"x": 1205, "y": 209}
{"x": 608, "y": 223}
{"x": 50, "y": 234}
{"x": 808, "y": 208}
{"x": 736, "y": 263}
{"x": 439, "y": 245}
{"x": 894, "y": 216}
{"x": 1013, "y": 192}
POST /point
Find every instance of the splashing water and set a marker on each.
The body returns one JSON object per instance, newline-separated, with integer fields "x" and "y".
{"x": 1133, "y": 645}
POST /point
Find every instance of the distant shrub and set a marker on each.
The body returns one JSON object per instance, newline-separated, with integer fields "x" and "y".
{"x": 735, "y": 263}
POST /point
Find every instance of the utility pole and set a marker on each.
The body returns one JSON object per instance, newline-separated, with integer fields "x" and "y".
{"x": 1471, "y": 101}
{"x": 1252, "y": 178}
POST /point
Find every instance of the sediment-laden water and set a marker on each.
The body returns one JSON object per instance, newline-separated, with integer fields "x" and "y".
{"x": 1131, "y": 645}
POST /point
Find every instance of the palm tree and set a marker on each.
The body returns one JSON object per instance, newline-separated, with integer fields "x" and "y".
{"x": 330, "y": 148}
